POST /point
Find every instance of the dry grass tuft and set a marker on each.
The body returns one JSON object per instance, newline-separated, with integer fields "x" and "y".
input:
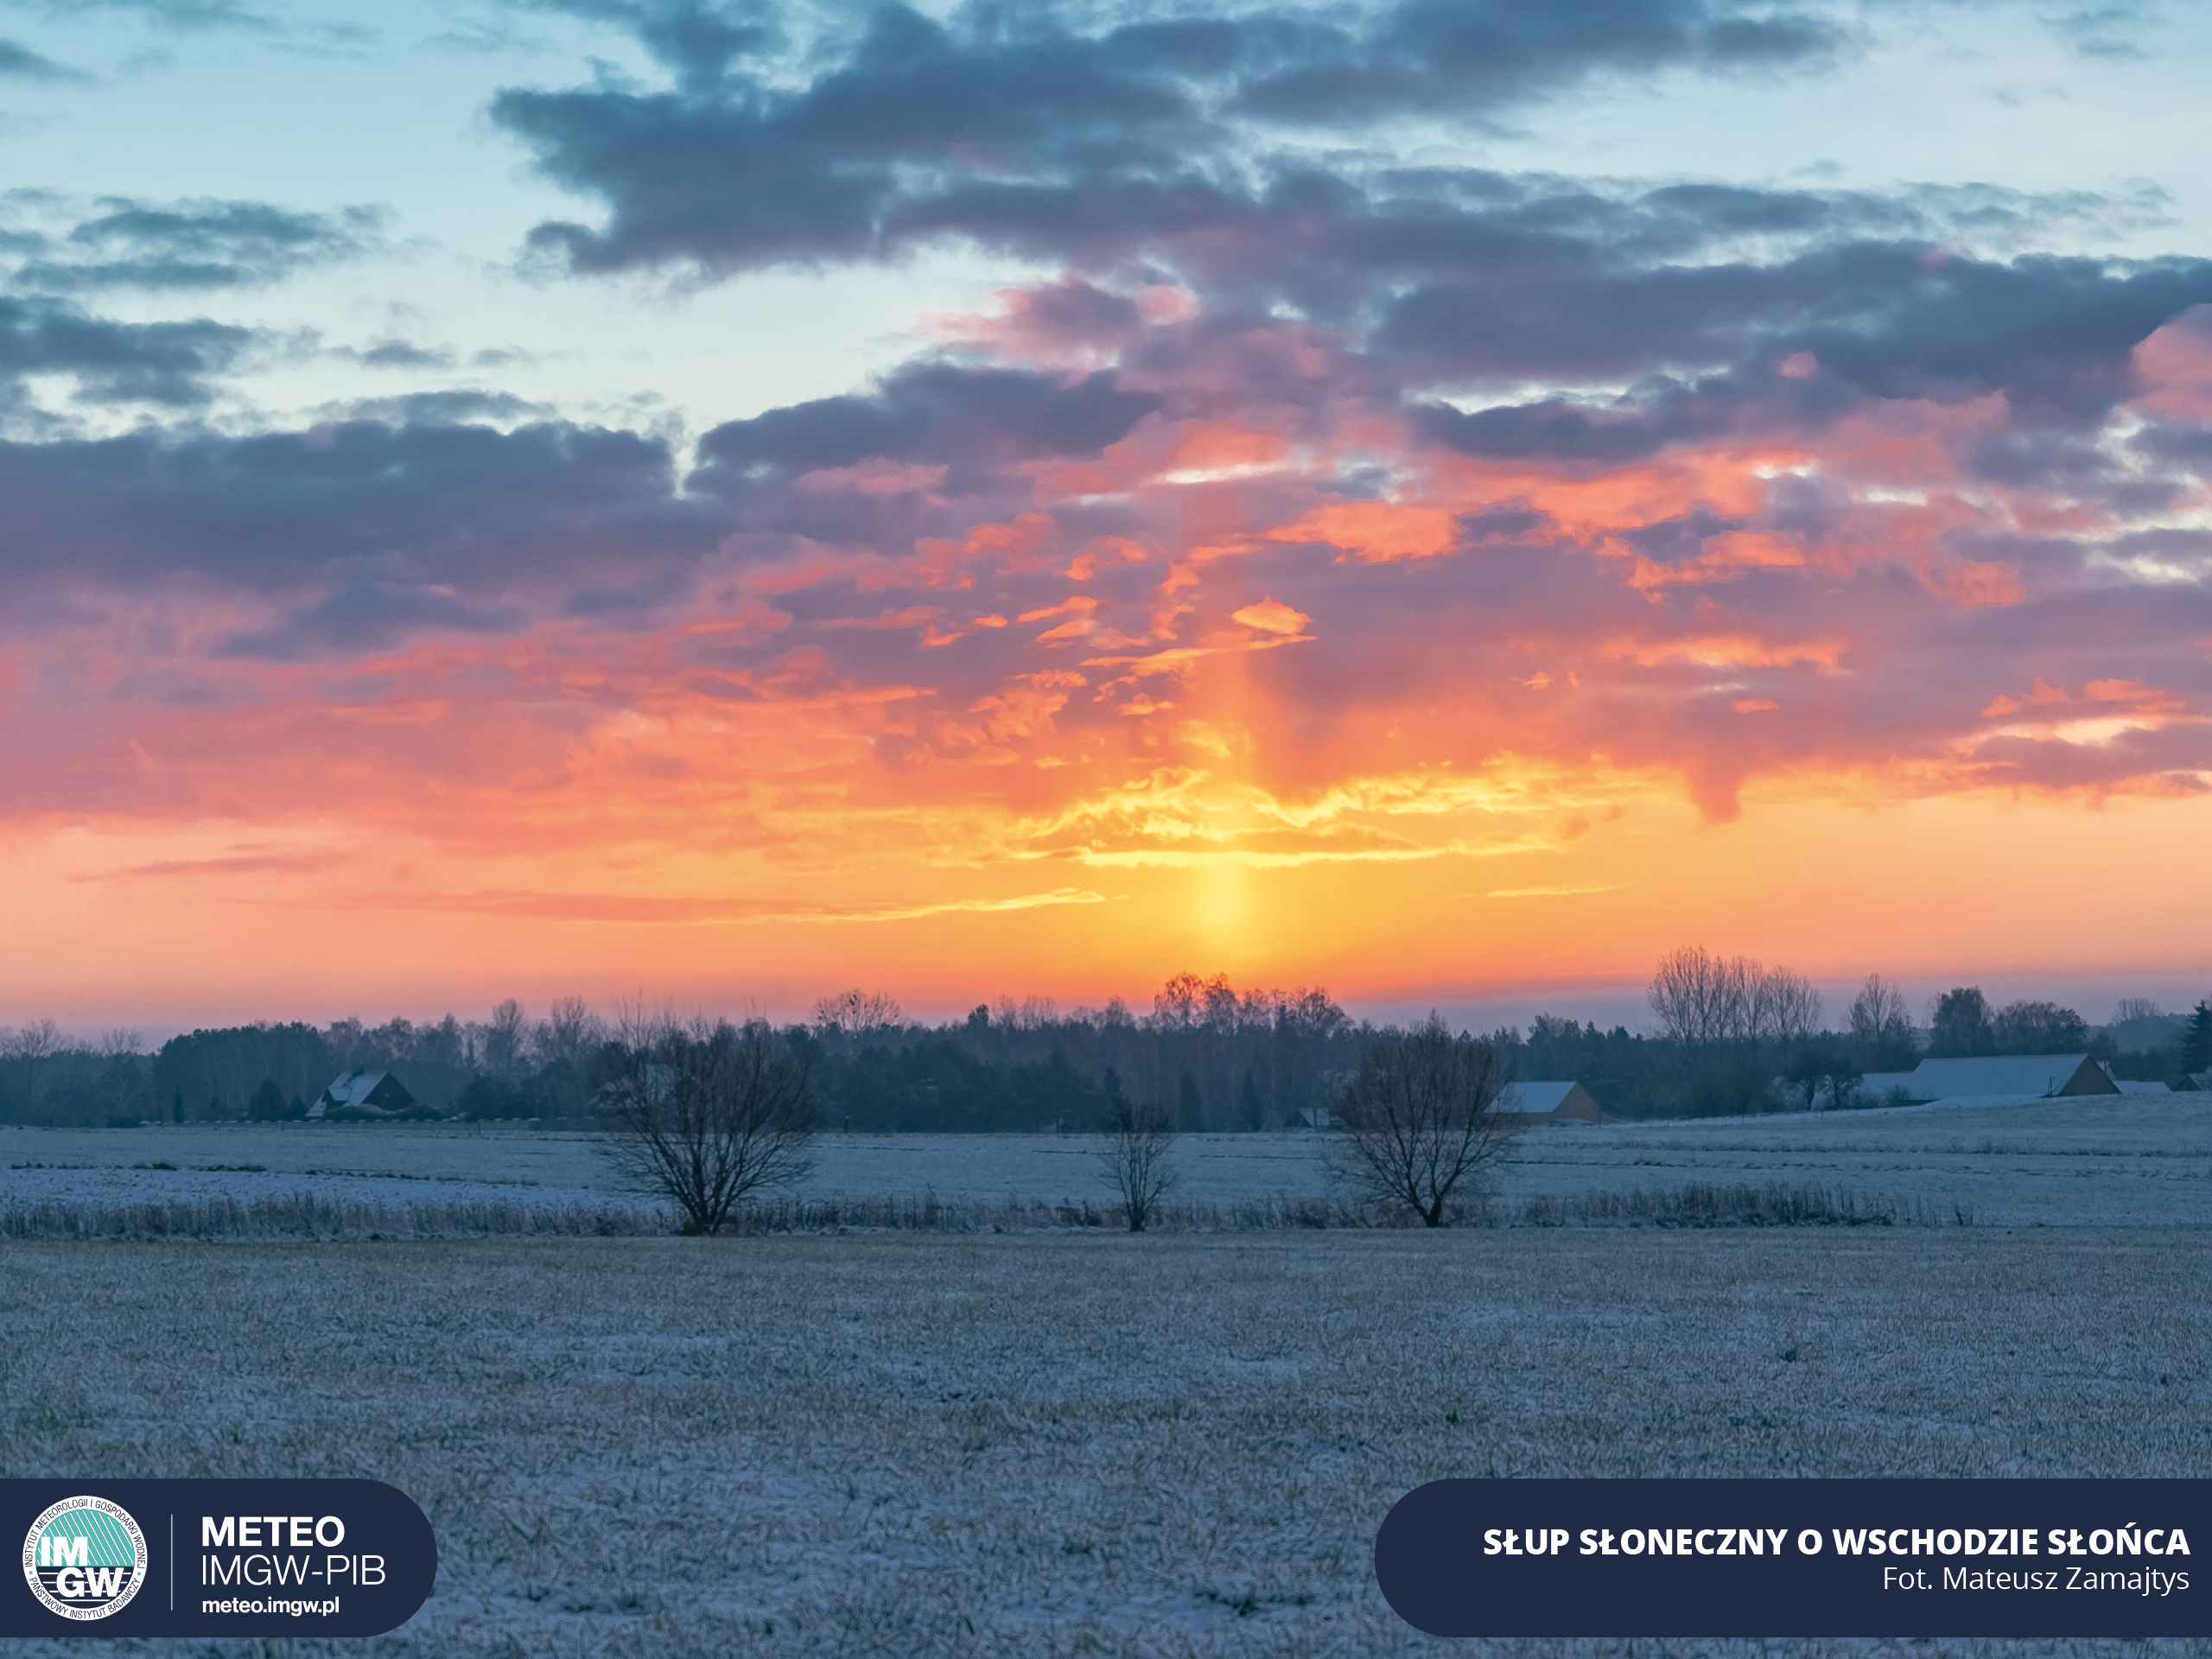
{"x": 314, "y": 1216}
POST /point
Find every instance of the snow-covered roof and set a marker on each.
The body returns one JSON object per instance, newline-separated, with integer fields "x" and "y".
{"x": 1543, "y": 1097}
{"x": 2135, "y": 1086}
{"x": 2036, "y": 1076}
{"x": 373, "y": 1094}
{"x": 352, "y": 1088}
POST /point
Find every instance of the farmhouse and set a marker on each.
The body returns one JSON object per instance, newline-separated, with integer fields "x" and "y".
{"x": 363, "y": 1093}
{"x": 1995, "y": 1076}
{"x": 1552, "y": 1102}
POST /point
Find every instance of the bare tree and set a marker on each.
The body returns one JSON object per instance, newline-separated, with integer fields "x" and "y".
{"x": 1785, "y": 1006}
{"x": 36, "y": 1039}
{"x": 1180, "y": 1003}
{"x": 1031, "y": 1014}
{"x": 704, "y": 1113}
{"x": 1704, "y": 1001}
{"x": 570, "y": 1031}
{"x": 2136, "y": 1008}
{"x": 126, "y": 1082}
{"x": 856, "y": 1012}
{"x": 1881, "y": 1026}
{"x": 1421, "y": 1121}
{"x": 503, "y": 1035}
{"x": 1137, "y": 1139}
{"x": 1879, "y": 1010}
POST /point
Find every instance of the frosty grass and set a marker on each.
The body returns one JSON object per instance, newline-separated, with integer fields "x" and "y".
{"x": 1077, "y": 1443}
{"x": 1065, "y": 1444}
{"x": 2062, "y": 1163}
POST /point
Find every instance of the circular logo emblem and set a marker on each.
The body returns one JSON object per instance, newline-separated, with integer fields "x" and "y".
{"x": 84, "y": 1558}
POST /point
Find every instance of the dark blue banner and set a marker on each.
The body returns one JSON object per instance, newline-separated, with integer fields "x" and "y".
{"x": 1841, "y": 1558}
{"x": 212, "y": 1558}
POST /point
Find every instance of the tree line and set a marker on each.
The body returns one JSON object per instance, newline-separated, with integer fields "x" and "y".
{"x": 1729, "y": 1035}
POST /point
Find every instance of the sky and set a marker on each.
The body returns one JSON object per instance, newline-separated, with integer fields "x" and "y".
{"x": 1445, "y": 502}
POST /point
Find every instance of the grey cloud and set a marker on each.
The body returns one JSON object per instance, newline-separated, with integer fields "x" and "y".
{"x": 183, "y": 16}
{"x": 1446, "y": 54}
{"x": 167, "y": 363}
{"x": 993, "y": 129}
{"x": 1878, "y": 321}
{"x": 19, "y": 62}
{"x": 698, "y": 40}
{"x": 970, "y": 424}
{"x": 1105, "y": 151}
{"x": 365, "y": 615}
{"x": 479, "y": 512}
{"x": 749, "y": 176}
{"x": 2182, "y": 445}
{"x": 196, "y": 245}
{"x": 444, "y": 408}
{"x": 2113, "y": 31}
{"x": 403, "y": 354}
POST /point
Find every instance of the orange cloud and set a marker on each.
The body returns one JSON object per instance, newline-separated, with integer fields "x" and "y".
{"x": 1375, "y": 533}
{"x": 1271, "y": 616}
{"x": 1727, "y": 650}
{"x": 2126, "y": 700}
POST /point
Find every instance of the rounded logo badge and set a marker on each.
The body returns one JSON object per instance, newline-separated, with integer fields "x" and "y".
{"x": 84, "y": 1558}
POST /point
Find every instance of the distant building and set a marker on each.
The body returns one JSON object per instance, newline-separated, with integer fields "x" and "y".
{"x": 363, "y": 1093}
{"x": 1993, "y": 1077}
{"x": 1552, "y": 1102}
{"x": 2144, "y": 1090}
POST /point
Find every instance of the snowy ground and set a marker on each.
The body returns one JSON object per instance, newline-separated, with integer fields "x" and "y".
{"x": 2096, "y": 1161}
{"x": 2058, "y": 1163}
{"x": 1059, "y": 1445}
{"x": 394, "y": 1162}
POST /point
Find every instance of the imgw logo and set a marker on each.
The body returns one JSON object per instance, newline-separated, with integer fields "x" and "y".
{"x": 84, "y": 1558}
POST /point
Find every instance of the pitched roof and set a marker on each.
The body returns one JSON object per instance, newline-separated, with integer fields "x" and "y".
{"x": 352, "y": 1088}
{"x": 377, "y": 1093}
{"x": 2034, "y": 1076}
{"x": 1543, "y": 1097}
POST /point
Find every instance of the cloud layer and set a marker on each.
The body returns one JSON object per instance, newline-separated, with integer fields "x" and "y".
{"x": 1303, "y": 499}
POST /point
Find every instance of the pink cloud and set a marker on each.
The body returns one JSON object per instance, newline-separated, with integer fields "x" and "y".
{"x": 875, "y": 476}
{"x": 1374, "y": 532}
{"x": 1972, "y": 586}
{"x": 2173, "y": 367}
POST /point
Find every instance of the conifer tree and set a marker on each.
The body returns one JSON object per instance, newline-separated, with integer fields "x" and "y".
{"x": 2197, "y": 1039}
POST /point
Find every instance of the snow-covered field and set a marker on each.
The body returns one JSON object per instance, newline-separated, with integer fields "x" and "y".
{"x": 393, "y": 1162}
{"x": 2095, "y": 1162}
{"x": 2059, "y": 1163}
{"x": 1041, "y": 1445}
{"x": 401, "y": 1162}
